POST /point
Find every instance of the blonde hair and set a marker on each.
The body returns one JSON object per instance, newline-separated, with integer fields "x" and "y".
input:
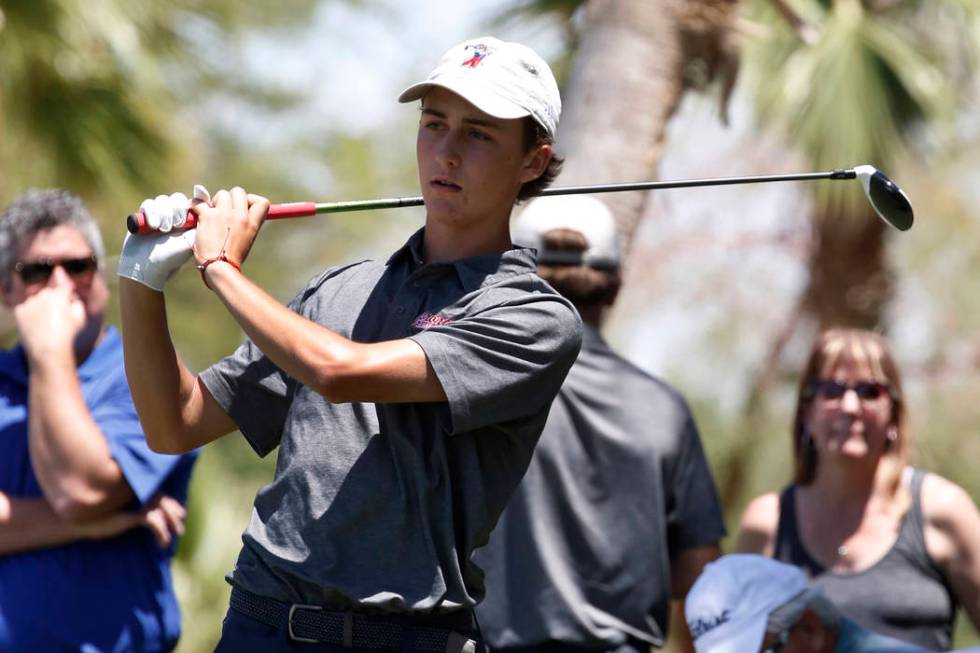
{"x": 832, "y": 349}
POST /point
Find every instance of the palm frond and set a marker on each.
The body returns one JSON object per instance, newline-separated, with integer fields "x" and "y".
{"x": 94, "y": 88}
{"x": 857, "y": 93}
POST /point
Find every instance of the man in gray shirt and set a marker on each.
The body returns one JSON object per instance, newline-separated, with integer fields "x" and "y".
{"x": 405, "y": 396}
{"x": 618, "y": 513}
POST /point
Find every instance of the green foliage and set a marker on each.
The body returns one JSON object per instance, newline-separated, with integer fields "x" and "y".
{"x": 90, "y": 92}
{"x": 559, "y": 13}
{"x": 855, "y": 84}
{"x": 562, "y": 10}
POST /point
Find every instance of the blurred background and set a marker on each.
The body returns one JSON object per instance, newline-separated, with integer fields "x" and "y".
{"x": 118, "y": 100}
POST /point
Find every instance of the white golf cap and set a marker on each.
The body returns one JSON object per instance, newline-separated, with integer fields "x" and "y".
{"x": 728, "y": 607}
{"x": 582, "y": 213}
{"x": 501, "y": 78}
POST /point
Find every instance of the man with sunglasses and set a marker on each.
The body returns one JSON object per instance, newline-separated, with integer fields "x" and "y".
{"x": 89, "y": 516}
{"x": 747, "y": 603}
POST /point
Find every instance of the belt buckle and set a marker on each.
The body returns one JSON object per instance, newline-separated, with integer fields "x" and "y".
{"x": 289, "y": 622}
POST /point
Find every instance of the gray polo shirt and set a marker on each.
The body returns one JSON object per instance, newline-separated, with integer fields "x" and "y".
{"x": 618, "y": 485}
{"x": 381, "y": 505}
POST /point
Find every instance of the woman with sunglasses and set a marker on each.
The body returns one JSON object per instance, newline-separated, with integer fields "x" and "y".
{"x": 897, "y": 549}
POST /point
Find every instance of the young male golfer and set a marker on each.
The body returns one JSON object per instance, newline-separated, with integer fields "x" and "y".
{"x": 405, "y": 395}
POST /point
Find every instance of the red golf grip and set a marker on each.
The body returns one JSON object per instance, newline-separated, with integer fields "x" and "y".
{"x": 136, "y": 222}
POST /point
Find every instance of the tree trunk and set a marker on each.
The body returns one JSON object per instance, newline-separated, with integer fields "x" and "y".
{"x": 625, "y": 84}
{"x": 628, "y": 75}
{"x": 850, "y": 280}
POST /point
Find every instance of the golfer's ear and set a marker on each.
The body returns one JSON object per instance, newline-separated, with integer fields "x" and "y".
{"x": 536, "y": 162}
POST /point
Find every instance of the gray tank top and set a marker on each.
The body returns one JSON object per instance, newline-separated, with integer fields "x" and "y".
{"x": 903, "y": 595}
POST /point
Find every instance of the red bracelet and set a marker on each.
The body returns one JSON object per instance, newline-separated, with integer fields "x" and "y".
{"x": 220, "y": 257}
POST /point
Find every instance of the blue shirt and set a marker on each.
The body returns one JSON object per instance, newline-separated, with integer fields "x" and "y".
{"x": 91, "y": 595}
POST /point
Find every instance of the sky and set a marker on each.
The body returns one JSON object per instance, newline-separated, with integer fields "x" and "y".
{"x": 358, "y": 59}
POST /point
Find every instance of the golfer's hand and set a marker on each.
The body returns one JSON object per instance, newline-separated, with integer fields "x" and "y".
{"x": 47, "y": 322}
{"x": 229, "y": 226}
{"x": 151, "y": 259}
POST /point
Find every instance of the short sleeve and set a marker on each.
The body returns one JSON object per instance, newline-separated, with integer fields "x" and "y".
{"x": 694, "y": 516}
{"x": 255, "y": 394}
{"x": 115, "y": 414}
{"x": 253, "y": 391}
{"x": 506, "y": 362}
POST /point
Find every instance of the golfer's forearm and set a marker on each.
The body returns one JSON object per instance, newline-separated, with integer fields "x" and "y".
{"x": 69, "y": 454}
{"x": 310, "y": 353}
{"x": 337, "y": 368}
{"x": 165, "y": 392}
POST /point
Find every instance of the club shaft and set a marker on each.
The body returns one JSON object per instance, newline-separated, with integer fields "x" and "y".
{"x": 136, "y": 222}
{"x": 400, "y": 202}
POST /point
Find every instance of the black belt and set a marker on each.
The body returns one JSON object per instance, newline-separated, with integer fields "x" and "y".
{"x": 315, "y": 624}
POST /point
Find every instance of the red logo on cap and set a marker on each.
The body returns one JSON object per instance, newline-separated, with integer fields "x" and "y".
{"x": 480, "y": 51}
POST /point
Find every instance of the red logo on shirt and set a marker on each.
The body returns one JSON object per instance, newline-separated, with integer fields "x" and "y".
{"x": 427, "y": 319}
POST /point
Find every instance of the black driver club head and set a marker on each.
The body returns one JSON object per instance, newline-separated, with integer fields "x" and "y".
{"x": 889, "y": 202}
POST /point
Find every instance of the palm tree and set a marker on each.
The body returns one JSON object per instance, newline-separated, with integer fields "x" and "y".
{"x": 848, "y": 81}
{"x": 851, "y": 81}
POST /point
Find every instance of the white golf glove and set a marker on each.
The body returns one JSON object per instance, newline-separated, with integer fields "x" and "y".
{"x": 151, "y": 259}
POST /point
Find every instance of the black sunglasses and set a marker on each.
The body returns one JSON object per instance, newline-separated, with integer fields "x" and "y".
{"x": 865, "y": 390}
{"x": 39, "y": 271}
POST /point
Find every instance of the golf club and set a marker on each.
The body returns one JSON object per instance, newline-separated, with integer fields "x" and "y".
{"x": 887, "y": 199}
